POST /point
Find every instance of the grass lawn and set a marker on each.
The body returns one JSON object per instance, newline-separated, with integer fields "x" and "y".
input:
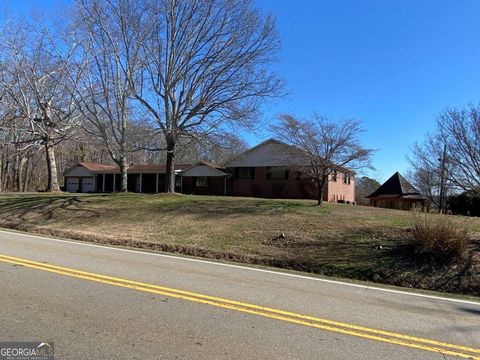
{"x": 335, "y": 239}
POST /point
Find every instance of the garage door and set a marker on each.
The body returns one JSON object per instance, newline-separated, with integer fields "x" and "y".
{"x": 72, "y": 185}
{"x": 88, "y": 185}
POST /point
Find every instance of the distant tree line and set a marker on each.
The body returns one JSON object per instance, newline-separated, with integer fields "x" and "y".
{"x": 365, "y": 186}
{"x": 128, "y": 81}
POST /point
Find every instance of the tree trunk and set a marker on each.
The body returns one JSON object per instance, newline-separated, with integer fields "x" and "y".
{"x": 320, "y": 195}
{"x": 170, "y": 170}
{"x": 1, "y": 173}
{"x": 123, "y": 173}
{"x": 52, "y": 180}
{"x": 321, "y": 189}
{"x": 20, "y": 171}
{"x": 26, "y": 180}
{"x": 8, "y": 176}
{"x": 16, "y": 173}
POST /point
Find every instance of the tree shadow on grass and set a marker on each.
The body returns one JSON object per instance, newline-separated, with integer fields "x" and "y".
{"x": 22, "y": 208}
{"x": 214, "y": 209}
{"x": 420, "y": 272}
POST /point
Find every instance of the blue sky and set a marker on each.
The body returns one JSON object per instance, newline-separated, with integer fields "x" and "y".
{"x": 394, "y": 64}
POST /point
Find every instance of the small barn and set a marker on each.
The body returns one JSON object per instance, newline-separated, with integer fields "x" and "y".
{"x": 397, "y": 193}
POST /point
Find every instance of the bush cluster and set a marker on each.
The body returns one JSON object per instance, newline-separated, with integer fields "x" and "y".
{"x": 440, "y": 238}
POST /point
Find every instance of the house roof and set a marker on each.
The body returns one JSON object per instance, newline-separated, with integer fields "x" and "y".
{"x": 396, "y": 186}
{"x": 97, "y": 168}
{"x": 206, "y": 163}
{"x": 196, "y": 169}
{"x": 154, "y": 168}
{"x": 263, "y": 143}
{"x": 281, "y": 147}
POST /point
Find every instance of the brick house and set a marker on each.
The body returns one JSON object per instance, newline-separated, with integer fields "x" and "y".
{"x": 275, "y": 169}
{"x": 271, "y": 169}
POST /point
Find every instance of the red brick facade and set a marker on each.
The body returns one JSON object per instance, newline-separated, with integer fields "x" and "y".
{"x": 261, "y": 186}
{"x": 342, "y": 190}
{"x": 292, "y": 187}
{"x": 216, "y": 186}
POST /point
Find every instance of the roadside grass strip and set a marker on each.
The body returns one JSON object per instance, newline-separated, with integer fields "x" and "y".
{"x": 282, "y": 315}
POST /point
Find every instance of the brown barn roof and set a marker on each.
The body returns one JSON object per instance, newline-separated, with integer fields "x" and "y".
{"x": 396, "y": 186}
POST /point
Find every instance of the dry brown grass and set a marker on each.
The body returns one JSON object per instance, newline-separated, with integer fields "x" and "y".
{"x": 334, "y": 239}
{"x": 441, "y": 238}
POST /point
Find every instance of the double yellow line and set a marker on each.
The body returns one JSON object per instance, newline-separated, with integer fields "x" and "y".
{"x": 291, "y": 317}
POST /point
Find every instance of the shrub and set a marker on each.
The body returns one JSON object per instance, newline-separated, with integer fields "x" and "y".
{"x": 465, "y": 204}
{"x": 440, "y": 238}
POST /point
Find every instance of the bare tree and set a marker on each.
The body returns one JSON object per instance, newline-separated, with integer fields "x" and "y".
{"x": 430, "y": 165}
{"x": 14, "y": 150}
{"x": 448, "y": 158}
{"x": 36, "y": 86}
{"x": 207, "y": 64}
{"x": 220, "y": 147}
{"x": 460, "y": 131}
{"x": 108, "y": 50}
{"x": 324, "y": 146}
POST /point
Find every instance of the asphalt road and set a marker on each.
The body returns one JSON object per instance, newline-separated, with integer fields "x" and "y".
{"x": 109, "y": 303}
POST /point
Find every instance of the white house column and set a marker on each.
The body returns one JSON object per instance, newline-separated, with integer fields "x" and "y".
{"x": 114, "y": 180}
{"x": 103, "y": 182}
{"x": 156, "y": 183}
{"x": 141, "y": 180}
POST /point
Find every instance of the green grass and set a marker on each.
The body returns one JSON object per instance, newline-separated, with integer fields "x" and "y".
{"x": 335, "y": 239}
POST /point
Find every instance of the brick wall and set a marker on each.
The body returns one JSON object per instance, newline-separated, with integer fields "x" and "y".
{"x": 215, "y": 186}
{"x": 291, "y": 188}
{"x": 339, "y": 191}
{"x": 260, "y": 186}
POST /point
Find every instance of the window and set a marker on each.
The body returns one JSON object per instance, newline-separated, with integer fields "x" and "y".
{"x": 298, "y": 175}
{"x": 201, "y": 181}
{"x": 346, "y": 178}
{"x": 244, "y": 173}
{"x": 334, "y": 175}
{"x": 277, "y": 173}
